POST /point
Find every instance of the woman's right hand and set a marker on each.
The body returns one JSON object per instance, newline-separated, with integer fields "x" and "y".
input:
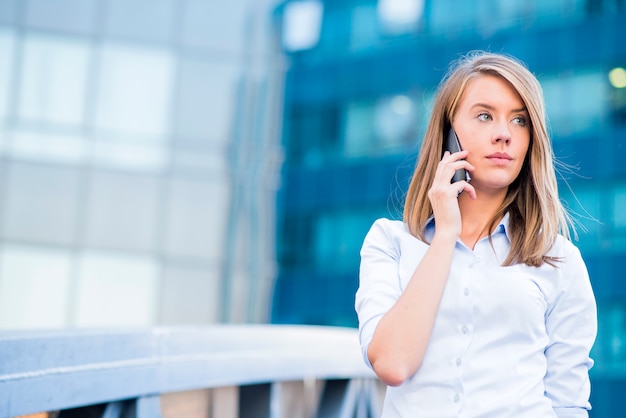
{"x": 443, "y": 195}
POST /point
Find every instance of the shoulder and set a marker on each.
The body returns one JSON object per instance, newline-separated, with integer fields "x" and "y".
{"x": 387, "y": 234}
{"x": 388, "y": 228}
{"x": 570, "y": 267}
{"x": 565, "y": 250}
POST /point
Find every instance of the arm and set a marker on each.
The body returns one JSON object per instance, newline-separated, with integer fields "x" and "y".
{"x": 571, "y": 323}
{"x": 402, "y": 334}
{"x": 401, "y": 337}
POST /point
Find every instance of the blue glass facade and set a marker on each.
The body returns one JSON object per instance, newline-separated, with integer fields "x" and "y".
{"x": 357, "y": 101}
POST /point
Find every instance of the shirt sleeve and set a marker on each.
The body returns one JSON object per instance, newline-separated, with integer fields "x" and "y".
{"x": 571, "y": 323}
{"x": 378, "y": 281}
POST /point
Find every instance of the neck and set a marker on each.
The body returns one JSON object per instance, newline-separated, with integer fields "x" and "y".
{"x": 477, "y": 214}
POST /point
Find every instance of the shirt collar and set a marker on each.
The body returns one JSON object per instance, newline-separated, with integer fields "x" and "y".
{"x": 501, "y": 228}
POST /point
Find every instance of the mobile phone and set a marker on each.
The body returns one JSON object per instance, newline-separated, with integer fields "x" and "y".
{"x": 452, "y": 144}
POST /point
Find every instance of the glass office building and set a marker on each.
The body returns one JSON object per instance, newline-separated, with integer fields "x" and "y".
{"x": 358, "y": 90}
{"x": 138, "y": 162}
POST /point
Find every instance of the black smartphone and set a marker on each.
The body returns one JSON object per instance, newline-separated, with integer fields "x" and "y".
{"x": 452, "y": 144}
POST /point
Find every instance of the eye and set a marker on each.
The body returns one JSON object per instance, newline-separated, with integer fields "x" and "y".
{"x": 484, "y": 117}
{"x": 520, "y": 120}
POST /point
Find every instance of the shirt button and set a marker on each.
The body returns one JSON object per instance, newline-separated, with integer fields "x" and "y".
{"x": 458, "y": 362}
{"x": 464, "y": 329}
{"x": 466, "y": 291}
{"x": 456, "y": 398}
{"x": 471, "y": 265}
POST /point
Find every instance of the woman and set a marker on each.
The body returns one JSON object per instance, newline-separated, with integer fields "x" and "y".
{"x": 478, "y": 304}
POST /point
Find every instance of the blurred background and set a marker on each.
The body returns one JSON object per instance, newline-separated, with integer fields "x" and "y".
{"x": 197, "y": 162}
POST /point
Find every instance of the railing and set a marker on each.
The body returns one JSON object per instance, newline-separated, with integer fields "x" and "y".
{"x": 222, "y": 371}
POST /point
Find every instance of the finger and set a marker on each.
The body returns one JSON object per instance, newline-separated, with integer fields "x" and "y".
{"x": 466, "y": 187}
{"x": 459, "y": 164}
{"x": 456, "y": 155}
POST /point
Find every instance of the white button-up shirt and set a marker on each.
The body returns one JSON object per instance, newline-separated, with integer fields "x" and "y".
{"x": 507, "y": 341}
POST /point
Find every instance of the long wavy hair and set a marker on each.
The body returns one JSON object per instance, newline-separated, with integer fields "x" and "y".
{"x": 537, "y": 216}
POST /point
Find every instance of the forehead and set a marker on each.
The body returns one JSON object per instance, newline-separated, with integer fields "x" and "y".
{"x": 491, "y": 90}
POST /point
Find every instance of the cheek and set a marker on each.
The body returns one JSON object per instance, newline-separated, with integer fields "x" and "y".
{"x": 524, "y": 139}
{"x": 524, "y": 147}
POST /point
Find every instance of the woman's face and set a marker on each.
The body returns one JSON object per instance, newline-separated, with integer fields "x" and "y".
{"x": 493, "y": 125}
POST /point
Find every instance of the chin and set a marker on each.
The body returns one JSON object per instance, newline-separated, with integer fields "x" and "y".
{"x": 492, "y": 185}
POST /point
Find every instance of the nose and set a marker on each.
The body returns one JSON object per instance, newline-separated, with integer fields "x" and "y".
{"x": 501, "y": 133}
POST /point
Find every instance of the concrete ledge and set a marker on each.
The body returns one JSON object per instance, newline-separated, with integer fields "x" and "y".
{"x": 46, "y": 371}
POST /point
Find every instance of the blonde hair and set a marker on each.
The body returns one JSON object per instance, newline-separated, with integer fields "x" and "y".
{"x": 537, "y": 216}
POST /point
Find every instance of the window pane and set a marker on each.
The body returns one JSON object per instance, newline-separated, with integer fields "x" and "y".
{"x": 576, "y": 103}
{"x": 219, "y": 26}
{"x": 7, "y": 50}
{"x": 122, "y": 211}
{"x": 585, "y": 205}
{"x": 41, "y": 203}
{"x": 8, "y": 11}
{"x": 395, "y": 121}
{"x": 155, "y": 24}
{"x": 451, "y": 16}
{"x": 53, "y": 79}
{"x": 363, "y": 27}
{"x": 134, "y": 91}
{"x": 189, "y": 296}
{"x": 65, "y": 15}
{"x": 619, "y": 206}
{"x": 33, "y": 287}
{"x": 338, "y": 239}
{"x": 116, "y": 290}
{"x": 206, "y": 101}
{"x": 359, "y": 129}
{"x": 197, "y": 219}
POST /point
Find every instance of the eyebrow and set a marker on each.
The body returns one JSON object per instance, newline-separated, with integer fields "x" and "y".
{"x": 490, "y": 107}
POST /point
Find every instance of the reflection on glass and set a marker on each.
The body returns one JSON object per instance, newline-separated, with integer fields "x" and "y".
{"x": 398, "y": 16}
{"x": 617, "y": 77}
{"x": 395, "y": 121}
{"x": 384, "y": 126}
{"x": 302, "y": 25}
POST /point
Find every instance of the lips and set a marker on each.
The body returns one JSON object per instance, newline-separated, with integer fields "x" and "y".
{"x": 500, "y": 156}
{"x": 501, "y": 159}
